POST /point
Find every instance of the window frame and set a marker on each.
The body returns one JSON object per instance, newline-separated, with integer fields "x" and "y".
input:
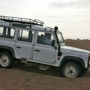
{"x": 6, "y": 36}
{"x": 24, "y": 29}
{"x": 44, "y": 43}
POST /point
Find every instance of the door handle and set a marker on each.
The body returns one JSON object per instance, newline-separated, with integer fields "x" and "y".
{"x": 37, "y": 50}
{"x": 18, "y": 47}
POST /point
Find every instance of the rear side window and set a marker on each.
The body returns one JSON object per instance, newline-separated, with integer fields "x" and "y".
{"x": 7, "y": 32}
{"x": 1, "y": 31}
{"x": 25, "y": 35}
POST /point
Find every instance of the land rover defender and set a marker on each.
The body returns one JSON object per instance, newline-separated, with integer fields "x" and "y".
{"x": 28, "y": 40}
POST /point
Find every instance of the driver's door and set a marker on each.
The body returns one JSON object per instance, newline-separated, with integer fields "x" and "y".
{"x": 43, "y": 50}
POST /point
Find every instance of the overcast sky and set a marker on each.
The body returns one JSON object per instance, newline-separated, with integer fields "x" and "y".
{"x": 71, "y": 16}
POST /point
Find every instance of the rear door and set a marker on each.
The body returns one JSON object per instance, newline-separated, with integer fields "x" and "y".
{"x": 24, "y": 44}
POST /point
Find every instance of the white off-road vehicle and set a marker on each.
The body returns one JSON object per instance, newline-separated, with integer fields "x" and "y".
{"x": 28, "y": 40}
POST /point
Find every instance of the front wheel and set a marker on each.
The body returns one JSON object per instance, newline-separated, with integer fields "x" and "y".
{"x": 6, "y": 60}
{"x": 71, "y": 70}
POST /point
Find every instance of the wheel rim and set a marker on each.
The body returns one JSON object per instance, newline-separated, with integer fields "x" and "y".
{"x": 4, "y": 60}
{"x": 70, "y": 72}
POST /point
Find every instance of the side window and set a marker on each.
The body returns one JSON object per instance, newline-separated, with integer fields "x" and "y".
{"x": 25, "y": 35}
{"x": 7, "y": 32}
{"x": 45, "y": 38}
{"x": 12, "y": 32}
{"x": 1, "y": 31}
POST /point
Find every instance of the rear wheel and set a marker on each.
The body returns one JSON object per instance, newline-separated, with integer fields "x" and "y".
{"x": 6, "y": 60}
{"x": 71, "y": 70}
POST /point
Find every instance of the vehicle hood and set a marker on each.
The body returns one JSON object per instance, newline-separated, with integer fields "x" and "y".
{"x": 73, "y": 49}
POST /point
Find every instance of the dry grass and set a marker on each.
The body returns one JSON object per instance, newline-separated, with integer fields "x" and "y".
{"x": 28, "y": 77}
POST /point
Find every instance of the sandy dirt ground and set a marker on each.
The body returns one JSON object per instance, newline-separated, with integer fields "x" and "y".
{"x": 29, "y": 77}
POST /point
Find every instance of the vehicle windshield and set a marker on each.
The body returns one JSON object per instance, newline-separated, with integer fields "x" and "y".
{"x": 60, "y": 37}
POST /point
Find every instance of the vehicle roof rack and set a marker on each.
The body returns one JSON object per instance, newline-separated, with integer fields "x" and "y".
{"x": 21, "y": 20}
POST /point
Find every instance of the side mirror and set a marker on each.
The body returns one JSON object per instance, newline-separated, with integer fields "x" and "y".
{"x": 53, "y": 43}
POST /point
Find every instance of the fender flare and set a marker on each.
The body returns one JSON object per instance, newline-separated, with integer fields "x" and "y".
{"x": 72, "y": 59}
{"x": 2, "y": 47}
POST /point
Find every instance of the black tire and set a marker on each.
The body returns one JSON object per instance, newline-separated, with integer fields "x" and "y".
{"x": 6, "y": 60}
{"x": 71, "y": 70}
